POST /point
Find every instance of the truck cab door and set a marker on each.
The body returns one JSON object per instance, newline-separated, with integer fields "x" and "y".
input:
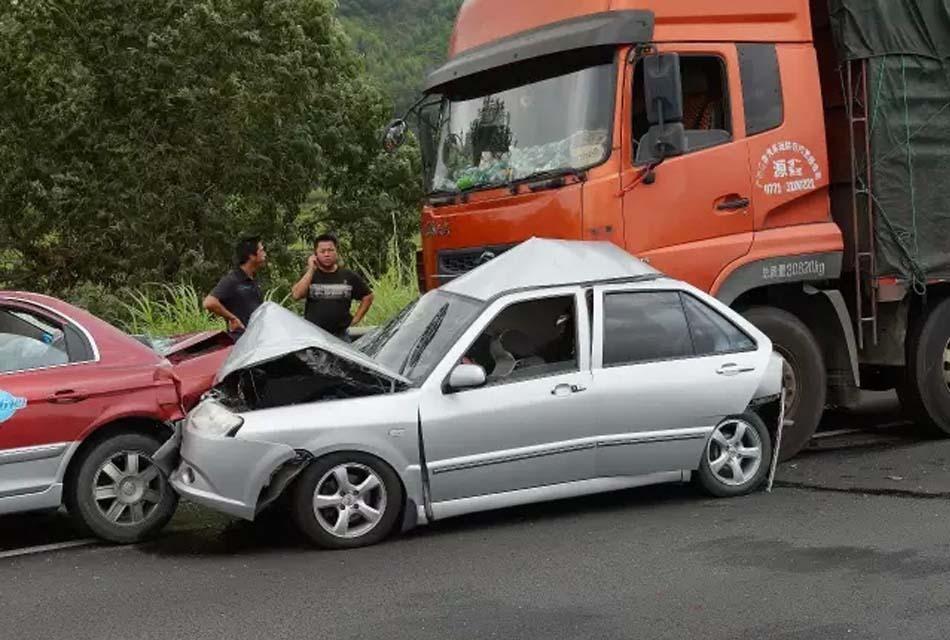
{"x": 694, "y": 215}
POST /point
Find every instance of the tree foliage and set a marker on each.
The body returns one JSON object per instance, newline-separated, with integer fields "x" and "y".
{"x": 401, "y": 40}
{"x": 138, "y": 139}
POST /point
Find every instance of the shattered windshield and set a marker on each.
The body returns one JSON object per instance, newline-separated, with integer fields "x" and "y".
{"x": 415, "y": 340}
{"x": 557, "y": 117}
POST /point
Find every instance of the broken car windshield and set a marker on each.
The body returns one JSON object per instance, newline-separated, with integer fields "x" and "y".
{"x": 421, "y": 334}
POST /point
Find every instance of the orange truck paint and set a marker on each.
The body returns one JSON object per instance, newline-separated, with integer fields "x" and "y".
{"x": 673, "y": 223}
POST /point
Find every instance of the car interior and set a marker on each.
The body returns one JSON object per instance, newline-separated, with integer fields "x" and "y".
{"x": 528, "y": 340}
{"x": 29, "y": 342}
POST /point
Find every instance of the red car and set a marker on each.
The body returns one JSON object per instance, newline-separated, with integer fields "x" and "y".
{"x": 84, "y": 406}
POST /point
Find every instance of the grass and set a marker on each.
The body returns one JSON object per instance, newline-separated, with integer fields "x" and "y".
{"x": 166, "y": 310}
{"x": 172, "y": 309}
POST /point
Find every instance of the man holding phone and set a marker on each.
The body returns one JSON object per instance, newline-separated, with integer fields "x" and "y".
{"x": 330, "y": 290}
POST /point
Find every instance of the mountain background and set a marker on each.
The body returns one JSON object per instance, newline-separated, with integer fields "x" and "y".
{"x": 400, "y": 40}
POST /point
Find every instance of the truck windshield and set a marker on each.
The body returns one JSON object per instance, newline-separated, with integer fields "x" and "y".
{"x": 557, "y": 117}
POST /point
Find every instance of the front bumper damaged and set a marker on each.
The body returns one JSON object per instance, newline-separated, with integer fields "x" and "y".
{"x": 228, "y": 474}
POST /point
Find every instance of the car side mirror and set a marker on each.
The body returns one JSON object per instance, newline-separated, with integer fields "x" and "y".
{"x": 395, "y": 135}
{"x": 663, "y": 92}
{"x": 467, "y": 376}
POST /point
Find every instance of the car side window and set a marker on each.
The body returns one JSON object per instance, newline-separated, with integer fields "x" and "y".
{"x": 530, "y": 339}
{"x": 644, "y": 326}
{"x": 712, "y": 333}
{"x": 30, "y": 341}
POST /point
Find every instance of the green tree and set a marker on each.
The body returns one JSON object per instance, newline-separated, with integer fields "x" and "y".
{"x": 137, "y": 139}
{"x": 401, "y": 40}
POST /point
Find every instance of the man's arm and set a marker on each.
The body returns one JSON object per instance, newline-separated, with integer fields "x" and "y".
{"x": 363, "y": 309}
{"x": 362, "y": 293}
{"x": 299, "y": 290}
{"x": 212, "y": 304}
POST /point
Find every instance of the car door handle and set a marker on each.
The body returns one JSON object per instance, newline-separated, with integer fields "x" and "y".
{"x": 732, "y": 369}
{"x": 67, "y": 396}
{"x": 734, "y": 204}
{"x": 565, "y": 389}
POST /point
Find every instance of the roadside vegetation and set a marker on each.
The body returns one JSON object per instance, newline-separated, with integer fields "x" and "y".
{"x": 133, "y": 154}
{"x": 162, "y": 309}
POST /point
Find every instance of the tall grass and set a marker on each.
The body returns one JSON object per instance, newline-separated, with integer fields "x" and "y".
{"x": 393, "y": 289}
{"x": 173, "y": 309}
{"x": 166, "y": 310}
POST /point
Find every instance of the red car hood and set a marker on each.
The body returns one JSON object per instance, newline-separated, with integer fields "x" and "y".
{"x": 195, "y": 359}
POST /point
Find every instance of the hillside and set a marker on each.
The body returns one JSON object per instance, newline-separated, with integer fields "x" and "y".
{"x": 400, "y": 39}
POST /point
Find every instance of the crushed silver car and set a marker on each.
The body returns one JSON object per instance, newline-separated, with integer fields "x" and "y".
{"x": 557, "y": 369}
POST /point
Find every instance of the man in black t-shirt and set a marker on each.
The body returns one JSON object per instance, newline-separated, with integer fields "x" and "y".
{"x": 330, "y": 290}
{"x": 237, "y": 295}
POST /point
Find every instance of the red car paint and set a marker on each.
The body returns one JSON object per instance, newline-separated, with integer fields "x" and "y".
{"x": 121, "y": 380}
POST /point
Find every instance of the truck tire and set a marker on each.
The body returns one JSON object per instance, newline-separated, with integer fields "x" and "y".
{"x": 925, "y": 389}
{"x": 117, "y": 493}
{"x": 805, "y": 375}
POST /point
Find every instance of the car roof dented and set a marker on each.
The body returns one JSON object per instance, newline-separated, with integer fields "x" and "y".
{"x": 541, "y": 263}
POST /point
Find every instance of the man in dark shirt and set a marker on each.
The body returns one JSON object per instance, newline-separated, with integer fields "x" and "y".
{"x": 237, "y": 294}
{"x": 330, "y": 290}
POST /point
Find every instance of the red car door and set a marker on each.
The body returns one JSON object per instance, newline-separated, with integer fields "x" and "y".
{"x": 45, "y": 365}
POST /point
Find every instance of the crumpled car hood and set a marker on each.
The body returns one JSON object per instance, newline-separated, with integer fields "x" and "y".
{"x": 275, "y": 332}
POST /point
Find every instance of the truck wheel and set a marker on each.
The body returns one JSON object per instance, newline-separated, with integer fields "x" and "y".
{"x": 925, "y": 390}
{"x": 117, "y": 492}
{"x": 805, "y": 375}
{"x": 347, "y": 500}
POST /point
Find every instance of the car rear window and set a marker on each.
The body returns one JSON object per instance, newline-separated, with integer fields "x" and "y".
{"x": 644, "y": 326}
{"x": 712, "y": 333}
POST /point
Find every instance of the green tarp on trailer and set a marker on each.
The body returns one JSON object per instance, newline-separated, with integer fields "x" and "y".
{"x": 906, "y": 44}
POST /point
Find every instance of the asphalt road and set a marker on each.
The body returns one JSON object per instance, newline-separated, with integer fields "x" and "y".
{"x": 822, "y": 562}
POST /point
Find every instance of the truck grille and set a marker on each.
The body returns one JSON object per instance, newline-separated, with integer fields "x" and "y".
{"x": 456, "y": 262}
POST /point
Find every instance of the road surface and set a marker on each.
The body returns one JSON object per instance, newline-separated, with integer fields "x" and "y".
{"x": 819, "y": 558}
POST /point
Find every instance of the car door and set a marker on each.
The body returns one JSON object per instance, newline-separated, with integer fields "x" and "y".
{"x": 667, "y": 368}
{"x": 530, "y": 429}
{"x": 43, "y": 360}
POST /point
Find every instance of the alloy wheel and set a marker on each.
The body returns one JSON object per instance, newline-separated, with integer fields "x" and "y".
{"x": 127, "y": 488}
{"x": 734, "y": 452}
{"x": 349, "y": 501}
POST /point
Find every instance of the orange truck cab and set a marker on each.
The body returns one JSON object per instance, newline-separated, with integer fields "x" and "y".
{"x": 718, "y": 142}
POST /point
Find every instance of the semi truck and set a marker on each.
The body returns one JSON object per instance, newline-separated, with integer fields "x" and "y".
{"x": 786, "y": 156}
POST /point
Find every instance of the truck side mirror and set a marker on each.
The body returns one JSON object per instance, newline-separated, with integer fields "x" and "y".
{"x": 395, "y": 135}
{"x": 663, "y": 88}
{"x": 663, "y": 92}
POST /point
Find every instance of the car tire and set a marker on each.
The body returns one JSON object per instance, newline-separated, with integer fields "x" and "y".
{"x": 117, "y": 493}
{"x": 360, "y": 488}
{"x": 924, "y": 391}
{"x": 725, "y": 456}
{"x": 805, "y": 374}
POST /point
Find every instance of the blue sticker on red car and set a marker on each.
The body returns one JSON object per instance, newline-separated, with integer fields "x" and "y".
{"x": 10, "y": 404}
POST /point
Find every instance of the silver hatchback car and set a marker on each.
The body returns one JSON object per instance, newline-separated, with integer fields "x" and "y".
{"x": 555, "y": 370}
